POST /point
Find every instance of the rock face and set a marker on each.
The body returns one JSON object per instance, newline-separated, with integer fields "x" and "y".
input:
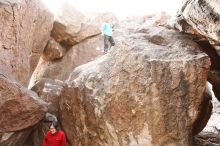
{"x": 71, "y": 27}
{"x": 49, "y": 90}
{"x": 14, "y": 138}
{"x": 21, "y": 40}
{"x": 19, "y": 108}
{"x": 205, "y": 112}
{"x": 203, "y": 15}
{"x": 37, "y": 136}
{"x": 214, "y": 78}
{"x": 75, "y": 56}
{"x": 214, "y": 73}
{"x": 72, "y": 43}
{"x": 146, "y": 91}
{"x": 53, "y": 51}
{"x": 25, "y": 28}
{"x": 210, "y": 134}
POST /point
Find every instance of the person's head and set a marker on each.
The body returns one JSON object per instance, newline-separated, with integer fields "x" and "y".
{"x": 108, "y": 21}
{"x": 54, "y": 127}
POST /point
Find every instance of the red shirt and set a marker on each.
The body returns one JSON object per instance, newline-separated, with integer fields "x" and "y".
{"x": 57, "y": 139}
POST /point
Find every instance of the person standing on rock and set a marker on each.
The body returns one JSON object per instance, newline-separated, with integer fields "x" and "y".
{"x": 107, "y": 29}
{"x": 54, "y": 137}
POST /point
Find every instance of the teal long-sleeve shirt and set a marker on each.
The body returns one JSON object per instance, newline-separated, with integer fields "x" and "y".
{"x": 107, "y": 29}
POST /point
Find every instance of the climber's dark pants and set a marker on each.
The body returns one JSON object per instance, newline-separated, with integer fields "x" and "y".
{"x": 108, "y": 39}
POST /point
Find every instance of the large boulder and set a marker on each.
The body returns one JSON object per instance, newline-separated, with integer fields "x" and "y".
{"x": 21, "y": 40}
{"x": 20, "y": 108}
{"x": 67, "y": 23}
{"x": 14, "y": 138}
{"x": 148, "y": 91}
{"x": 71, "y": 26}
{"x": 53, "y": 51}
{"x": 203, "y": 16}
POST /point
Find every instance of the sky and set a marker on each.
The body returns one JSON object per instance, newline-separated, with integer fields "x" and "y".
{"x": 121, "y": 8}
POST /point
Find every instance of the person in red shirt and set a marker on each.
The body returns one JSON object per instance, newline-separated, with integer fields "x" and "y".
{"x": 54, "y": 137}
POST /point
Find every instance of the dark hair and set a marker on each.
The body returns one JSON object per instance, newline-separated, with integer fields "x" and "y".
{"x": 55, "y": 124}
